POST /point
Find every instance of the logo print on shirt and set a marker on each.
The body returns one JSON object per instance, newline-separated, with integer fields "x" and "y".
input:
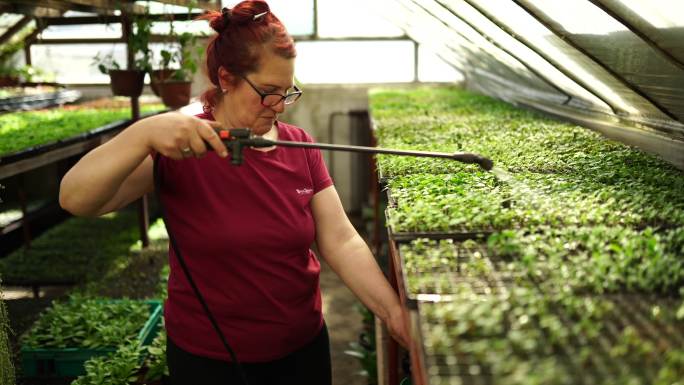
{"x": 304, "y": 191}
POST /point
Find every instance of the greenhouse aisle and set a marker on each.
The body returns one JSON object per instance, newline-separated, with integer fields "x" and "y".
{"x": 344, "y": 324}
{"x": 342, "y": 316}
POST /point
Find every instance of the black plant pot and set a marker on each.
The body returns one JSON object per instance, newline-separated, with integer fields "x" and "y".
{"x": 127, "y": 82}
{"x": 159, "y": 76}
{"x": 175, "y": 94}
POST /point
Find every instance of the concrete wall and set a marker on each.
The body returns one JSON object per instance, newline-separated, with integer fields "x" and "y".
{"x": 322, "y": 111}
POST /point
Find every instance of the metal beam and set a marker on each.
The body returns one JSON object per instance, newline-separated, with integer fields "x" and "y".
{"x": 544, "y": 55}
{"x": 15, "y": 28}
{"x": 315, "y": 18}
{"x": 475, "y": 44}
{"x": 416, "y": 63}
{"x": 28, "y": 10}
{"x": 204, "y": 4}
{"x": 78, "y": 41}
{"x": 643, "y": 36}
{"x": 568, "y": 39}
{"x": 97, "y": 6}
{"x": 110, "y": 19}
{"x": 365, "y": 38}
{"x": 28, "y": 40}
{"x": 490, "y": 39}
{"x": 166, "y": 38}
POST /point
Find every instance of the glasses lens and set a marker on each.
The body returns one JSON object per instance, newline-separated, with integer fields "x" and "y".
{"x": 291, "y": 98}
{"x": 272, "y": 99}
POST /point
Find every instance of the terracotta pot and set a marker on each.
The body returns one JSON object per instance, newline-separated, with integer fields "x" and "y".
{"x": 158, "y": 76}
{"x": 127, "y": 82}
{"x": 175, "y": 94}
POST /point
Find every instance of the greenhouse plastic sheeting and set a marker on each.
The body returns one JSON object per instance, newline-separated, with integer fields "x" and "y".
{"x": 614, "y": 65}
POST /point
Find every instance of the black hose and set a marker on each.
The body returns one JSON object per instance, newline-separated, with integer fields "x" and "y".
{"x": 181, "y": 260}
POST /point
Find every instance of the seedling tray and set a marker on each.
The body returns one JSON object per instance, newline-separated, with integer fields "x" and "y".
{"x": 612, "y": 355}
{"x": 456, "y": 235}
{"x": 25, "y": 102}
{"x": 573, "y": 341}
{"x": 68, "y": 362}
{"x": 438, "y": 280}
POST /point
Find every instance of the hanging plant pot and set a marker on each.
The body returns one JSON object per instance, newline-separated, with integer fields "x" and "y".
{"x": 175, "y": 94}
{"x": 127, "y": 82}
{"x": 159, "y": 76}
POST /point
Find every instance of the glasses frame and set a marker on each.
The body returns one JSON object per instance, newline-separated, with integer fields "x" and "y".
{"x": 285, "y": 97}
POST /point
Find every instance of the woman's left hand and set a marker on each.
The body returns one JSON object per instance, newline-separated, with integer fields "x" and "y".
{"x": 397, "y": 327}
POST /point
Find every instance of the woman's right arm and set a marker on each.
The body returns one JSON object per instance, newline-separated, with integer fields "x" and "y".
{"x": 120, "y": 171}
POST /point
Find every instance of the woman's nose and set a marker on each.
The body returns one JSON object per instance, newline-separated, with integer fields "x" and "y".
{"x": 279, "y": 107}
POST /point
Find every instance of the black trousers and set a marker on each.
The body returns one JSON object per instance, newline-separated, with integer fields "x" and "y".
{"x": 309, "y": 365}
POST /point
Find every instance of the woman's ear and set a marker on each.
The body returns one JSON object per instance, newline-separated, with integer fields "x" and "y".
{"x": 226, "y": 79}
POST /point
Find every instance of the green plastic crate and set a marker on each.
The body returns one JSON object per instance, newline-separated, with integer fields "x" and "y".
{"x": 68, "y": 362}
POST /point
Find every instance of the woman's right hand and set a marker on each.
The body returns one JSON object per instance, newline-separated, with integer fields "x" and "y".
{"x": 179, "y": 136}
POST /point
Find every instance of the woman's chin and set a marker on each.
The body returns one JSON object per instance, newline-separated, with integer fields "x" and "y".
{"x": 261, "y": 129}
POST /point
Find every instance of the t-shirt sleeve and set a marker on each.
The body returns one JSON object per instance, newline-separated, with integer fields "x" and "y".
{"x": 319, "y": 172}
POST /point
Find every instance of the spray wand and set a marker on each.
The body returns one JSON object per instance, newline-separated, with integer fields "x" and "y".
{"x": 236, "y": 139}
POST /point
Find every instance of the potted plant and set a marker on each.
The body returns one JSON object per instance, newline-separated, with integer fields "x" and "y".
{"x": 129, "y": 82}
{"x": 160, "y": 75}
{"x": 175, "y": 90}
{"x": 167, "y": 59}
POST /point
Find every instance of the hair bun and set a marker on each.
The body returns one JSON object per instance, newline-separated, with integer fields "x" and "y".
{"x": 226, "y": 16}
{"x": 243, "y": 13}
{"x": 260, "y": 7}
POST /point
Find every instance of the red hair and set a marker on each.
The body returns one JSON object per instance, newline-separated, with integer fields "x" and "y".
{"x": 242, "y": 33}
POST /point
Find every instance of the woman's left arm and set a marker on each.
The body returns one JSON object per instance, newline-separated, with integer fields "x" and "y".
{"x": 349, "y": 256}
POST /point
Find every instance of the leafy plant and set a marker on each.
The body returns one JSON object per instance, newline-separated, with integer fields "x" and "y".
{"x": 594, "y": 259}
{"x": 156, "y": 359}
{"x": 7, "y": 375}
{"x": 88, "y": 323}
{"x": 106, "y": 63}
{"x": 130, "y": 364}
{"x": 187, "y": 56}
{"x": 21, "y": 130}
{"x": 55, "y": 257}
{"x": 368, "y": 359}
{"x": 119, "y": 368}
{"x": 138, "y": 43}
{"x": 584, "y": 231}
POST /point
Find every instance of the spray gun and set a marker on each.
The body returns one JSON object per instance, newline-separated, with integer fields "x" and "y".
{"x": 236, "y": 139}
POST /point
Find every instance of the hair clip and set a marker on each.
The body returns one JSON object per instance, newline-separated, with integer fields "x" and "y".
{"x": 257, "y": 16}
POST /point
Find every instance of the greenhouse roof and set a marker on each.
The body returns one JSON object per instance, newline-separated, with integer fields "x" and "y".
{"x": 606, "y": 63}
{"x": 615, "y": 65}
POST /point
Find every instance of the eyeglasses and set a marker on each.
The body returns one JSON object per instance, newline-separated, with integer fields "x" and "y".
{"x": 271, "y": 99}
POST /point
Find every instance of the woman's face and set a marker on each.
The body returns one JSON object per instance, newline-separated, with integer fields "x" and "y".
{"x": 241, "y": 103}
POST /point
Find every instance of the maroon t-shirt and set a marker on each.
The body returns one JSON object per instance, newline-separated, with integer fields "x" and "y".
{"x": 245, "y": 233}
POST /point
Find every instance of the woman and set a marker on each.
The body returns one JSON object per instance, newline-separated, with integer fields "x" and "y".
{"x": 244, "y": 231}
